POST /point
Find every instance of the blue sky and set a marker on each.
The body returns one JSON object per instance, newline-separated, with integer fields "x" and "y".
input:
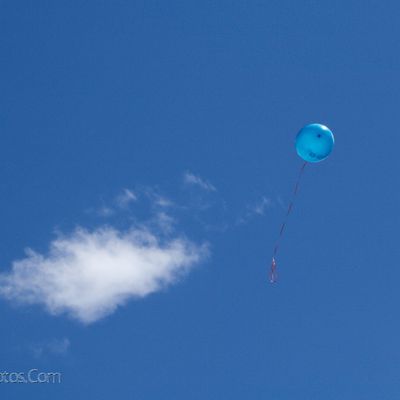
{"x": 147, "y": 157}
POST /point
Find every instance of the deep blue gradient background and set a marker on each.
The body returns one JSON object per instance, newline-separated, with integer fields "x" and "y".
{"x": 100, "y": 95}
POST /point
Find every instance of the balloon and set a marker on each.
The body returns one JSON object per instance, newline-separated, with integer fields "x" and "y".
{"x": 314, "y": 143}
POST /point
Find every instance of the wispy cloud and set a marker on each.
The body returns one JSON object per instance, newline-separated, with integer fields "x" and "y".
{"x": 123, "y": 201}
{"x": 261, "y": 206}
{"x": 157, "y": 199}
{"x": 258, "y": 208}
{"x": 57, "y": 347}
{"x": 89, "y": 274}
{"x": 105, "y": 211}
{"x": 164, "y": 222}
{"x": 125, "y": 198}
{"x": 192, "y": 179}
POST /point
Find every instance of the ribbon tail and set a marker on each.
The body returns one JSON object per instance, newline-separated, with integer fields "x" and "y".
{"x": 273, "y": 276}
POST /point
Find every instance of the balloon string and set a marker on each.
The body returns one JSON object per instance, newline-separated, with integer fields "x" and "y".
{"x": 273, "y": 276}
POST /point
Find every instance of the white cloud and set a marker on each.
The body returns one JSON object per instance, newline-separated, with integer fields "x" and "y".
{"x": 191, "y": 179}
{"x": 88, "y": 274}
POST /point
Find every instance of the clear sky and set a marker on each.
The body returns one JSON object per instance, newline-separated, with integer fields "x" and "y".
{"x": 146, "y": 160}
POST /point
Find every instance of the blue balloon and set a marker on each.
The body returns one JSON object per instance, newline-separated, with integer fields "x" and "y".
{"x": 314, "y": 143}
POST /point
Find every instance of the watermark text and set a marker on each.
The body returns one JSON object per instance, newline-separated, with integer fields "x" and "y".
{"x": 31, "y": 376}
